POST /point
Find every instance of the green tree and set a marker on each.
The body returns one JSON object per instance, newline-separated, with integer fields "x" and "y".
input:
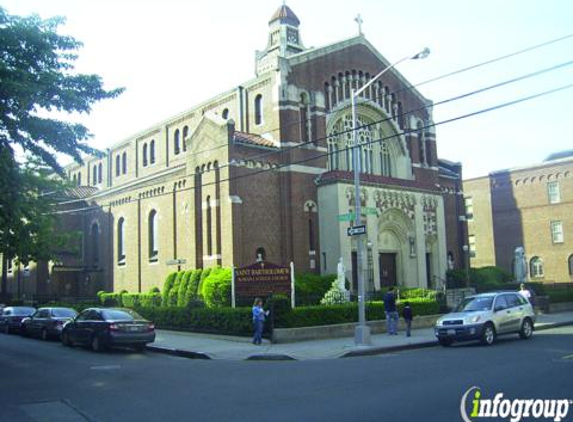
{"x": 37, "y": 74}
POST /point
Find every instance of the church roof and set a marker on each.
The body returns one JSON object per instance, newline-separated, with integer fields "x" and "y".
{"x": 285, "y": 15}
{"x": 252, "y": 139}
{"x": 559, "y": 155}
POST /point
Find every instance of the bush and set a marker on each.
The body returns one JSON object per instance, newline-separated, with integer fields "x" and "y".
{"x": 193, "y": 286}
{"x": 415, "y": 293}
{"x": 167, "y": 286}
{"x": 182, "y": 292}
{"x": 311, "y": 288}
{"x": 338, "y": 314}
{"x": 204, "y": 274}
{"x": 175, "y": 289}
{"x": 216, "y": 288}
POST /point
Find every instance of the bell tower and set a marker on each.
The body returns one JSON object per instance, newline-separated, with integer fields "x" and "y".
{"x": 284, "y": 39}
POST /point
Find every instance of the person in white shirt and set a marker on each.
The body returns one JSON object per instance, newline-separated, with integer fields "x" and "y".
{"x": 524, "y": 292}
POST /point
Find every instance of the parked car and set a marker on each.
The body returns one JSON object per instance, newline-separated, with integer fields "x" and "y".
{"x": 105, "y": 327}
{"x": 485, "y": 316}
{"x": 12, "y": 316}
{"x": 46, "y": 322}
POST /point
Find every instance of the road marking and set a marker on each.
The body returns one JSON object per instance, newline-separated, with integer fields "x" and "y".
{"x": 106, "y": 367}
{"x": 567, "y": 357}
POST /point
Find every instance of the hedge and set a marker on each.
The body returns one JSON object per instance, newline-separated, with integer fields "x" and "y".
{"x": 167, "y": 286}
{"x": 216, "y": 288}
{"x": 338, "y": 314}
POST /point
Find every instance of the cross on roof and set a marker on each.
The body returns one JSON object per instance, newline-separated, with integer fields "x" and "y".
{"x": 359, "y": 21}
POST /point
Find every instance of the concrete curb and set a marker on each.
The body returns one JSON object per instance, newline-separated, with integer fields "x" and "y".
{"x": 366, "y": 351}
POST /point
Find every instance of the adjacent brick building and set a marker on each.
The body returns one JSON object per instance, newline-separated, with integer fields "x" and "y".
{"x": 263, "y": 171}
{"x": 529, "y": 207}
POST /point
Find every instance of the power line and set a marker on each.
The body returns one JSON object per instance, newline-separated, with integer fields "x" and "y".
{"x": 322, "y": 155}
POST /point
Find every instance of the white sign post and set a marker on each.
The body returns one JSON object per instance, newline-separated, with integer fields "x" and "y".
{"x": 292, "y": 297}
{"x": 233, "y": 286}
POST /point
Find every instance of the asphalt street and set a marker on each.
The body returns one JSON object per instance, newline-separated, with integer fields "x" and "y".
{"x": 44, "y": 381}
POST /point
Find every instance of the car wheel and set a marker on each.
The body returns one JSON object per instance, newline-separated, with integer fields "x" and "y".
{"x": 66, "y": 339}
{"x": 488, "y": 335}
{"x": 446, "y": 342}
{"x": 44, "y": 334}
{"x": 526, "y": 330}
{"x": 97, "y": 345}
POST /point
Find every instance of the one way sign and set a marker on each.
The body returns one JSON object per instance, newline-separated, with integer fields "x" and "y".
{"x": 356, "y": 230}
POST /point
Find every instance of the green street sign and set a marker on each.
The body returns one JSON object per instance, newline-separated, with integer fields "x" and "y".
{"x": 346, "y": 217}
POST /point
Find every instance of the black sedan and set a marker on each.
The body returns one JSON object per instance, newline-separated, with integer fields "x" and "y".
{"x": 47, "y": 322}
{"x": 12, "y": 316}
{"x": 105, "y": 327}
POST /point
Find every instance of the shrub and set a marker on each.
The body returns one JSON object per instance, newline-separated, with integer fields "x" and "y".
{"x": 406, "y": 293}
{"x": 216, "y": 288}
{"x": 182, "y": 293}
{"x": 154, "y": 290}
{"x": 311, "y": 288}
{"x": 110, "y": 299}
{"x": 167, "y": 286}
{"x": 204, "y": 274}
{"x": 175, "y": 289}
{"x": 193, "y": 286}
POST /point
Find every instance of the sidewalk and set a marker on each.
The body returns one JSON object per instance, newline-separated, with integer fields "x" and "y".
{"x": 204, "y": 346}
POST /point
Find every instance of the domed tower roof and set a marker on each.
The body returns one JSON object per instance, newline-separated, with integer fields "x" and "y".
{"x": 284, "y": 14}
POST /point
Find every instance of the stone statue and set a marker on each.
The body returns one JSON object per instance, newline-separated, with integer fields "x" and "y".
{"x": 341, "y": 279}
{"x": 519, "y": 265}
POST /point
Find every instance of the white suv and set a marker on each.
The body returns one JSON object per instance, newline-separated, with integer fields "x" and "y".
{"x": 485, "y": 316}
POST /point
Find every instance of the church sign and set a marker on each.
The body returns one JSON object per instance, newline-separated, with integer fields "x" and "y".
{"x": 261, "y": 279}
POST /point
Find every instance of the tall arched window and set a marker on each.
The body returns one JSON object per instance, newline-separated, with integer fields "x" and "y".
{"x": 570, "y": 264}
{"x": 75, "y": 179}
{"x": 153, "y": 235}
{"x": 145, "y": 162}
{"x": 95, "y": 243}
{"x": 176, "y": 143}
{"x": 100, "y": 173}
{"x": 385, "y": 160}
{"x": 124, "y": 162}
{"x": 209, "y": 227}
{"x": 185, "y": 136}
{"x": 94, "y": 175}
{"x": 117, "y": 166}
{"x": 333, "y": 160}
{"x": 121, "y": 241}
{"x": 152, "y": 152}
{"x": 258, "y": 109}
{"x": 536, "y": 267}
{"x": 79, "y": 179}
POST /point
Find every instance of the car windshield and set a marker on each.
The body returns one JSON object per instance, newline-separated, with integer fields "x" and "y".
{"x": 474, "y": 304}
{"x": 23, "y": 311}
{"x": 120, "y": 315}
{"x": 64, "y": 313}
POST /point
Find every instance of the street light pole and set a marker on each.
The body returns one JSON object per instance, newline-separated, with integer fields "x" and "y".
{"x": 362, "y": 331}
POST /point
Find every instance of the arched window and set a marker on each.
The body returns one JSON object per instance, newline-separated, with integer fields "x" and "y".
{"x": 79, "y": 179}
{"x": 124, "y": 162}
{"x": 385, "y": 160}
{"x": 94, "y": 175}
{"x": 152, "y": 152}
{"x": 153, "y": 236}
{"x": 100, "y": 173}
{"x": 117, "y": 166}
{"x": 176, "y": 143}
{"x": 95, "y": 243}
{"x": 209, "y": 227}
{"x": 74, "y": 179}
{"x": 536, "y": 267}
{"x": 260, "y": 254}
{"x": 570, "y": 264}
{"x": 258, "y": 109}
{"x": 145, "y": 162}
{"x": 333, "y": 159}
{"x": 225, "y": 114}
{"x": 120, "y": 241}
{"x": 185, "y": 136}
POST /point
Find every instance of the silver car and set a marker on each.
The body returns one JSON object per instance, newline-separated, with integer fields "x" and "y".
{"x": 485, "y": 316}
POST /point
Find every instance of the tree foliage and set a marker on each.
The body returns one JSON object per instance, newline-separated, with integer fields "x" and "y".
{"x": 36, "y": 72}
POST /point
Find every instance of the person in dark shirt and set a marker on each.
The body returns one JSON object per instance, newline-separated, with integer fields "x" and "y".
{"x": 391, "y": 312}
{"x": 408, "y": 316}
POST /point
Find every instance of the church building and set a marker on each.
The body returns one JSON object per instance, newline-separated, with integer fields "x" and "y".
{"x": 265, "y": 171}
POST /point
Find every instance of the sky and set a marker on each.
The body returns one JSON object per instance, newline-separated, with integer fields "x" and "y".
{"x": 172, "y": 54}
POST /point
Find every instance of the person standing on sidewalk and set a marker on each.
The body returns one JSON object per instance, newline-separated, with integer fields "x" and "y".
{"x": 391, "y": 312}
{"x": 259, "y": 315}
{"x": 408, "y": 316}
